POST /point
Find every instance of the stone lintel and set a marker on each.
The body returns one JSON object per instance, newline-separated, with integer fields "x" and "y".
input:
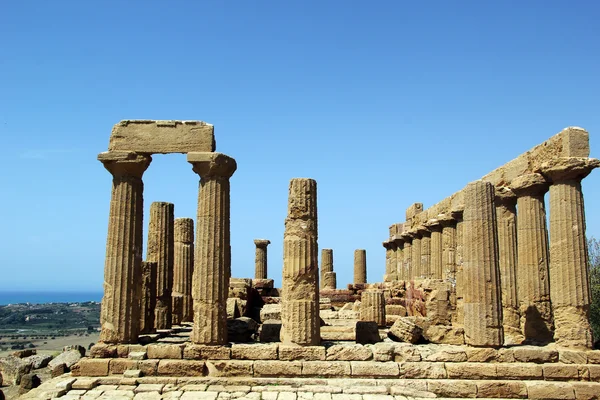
{"x": 413, "y": 210}
{"x": 150, "y": 136}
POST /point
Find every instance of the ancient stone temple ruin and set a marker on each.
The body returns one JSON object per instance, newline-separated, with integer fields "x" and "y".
{"x": 481, "y": 296}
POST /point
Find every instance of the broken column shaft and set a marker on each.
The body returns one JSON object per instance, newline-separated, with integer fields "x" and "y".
{"x": 260, "y": 260}
{"x": 372, "y": 306}
{"x": 183, "y": 269}
{"x": 360, "y": 266}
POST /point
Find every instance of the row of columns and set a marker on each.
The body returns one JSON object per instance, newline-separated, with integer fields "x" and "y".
{"x": 500, "y": 255}
{"x": 121, "y": 317}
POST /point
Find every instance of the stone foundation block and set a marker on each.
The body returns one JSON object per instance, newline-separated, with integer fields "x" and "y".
{"x": 535, "y": 354}
{"x": 471, "y": 371}
{"x": 277, "y": 368}
{"x": 148, "y": 367}
{"x": 481, "y": 354}
{"x": 594, "y": 373}
{"x": 335, "y": 333}
{"x": 593, "y": 356}
{"x": 326, "y": 368}
{"x": 422, "y": 370}
{"x": 119, "y": 365}
{"x": 374, "y": 369}
{"x": 444, "y": 354}
{"x": 395, "y": 309}
{"x": 498, "y": 389}
{"x": 383, "y": 352}
{"x": 406, "y": 352}
{"x": 521, "y": 371}
{"x": 181, "y": 368}
{"x": 165, "y": 351}
{"x": 93, "y": 367}
{"x": 586, "y": 390}
{"x": 572, "y": 357}
{"x": 306, "y": 353}
{"x": 453, "y": 389}
{"x": 102, "y": 350}
{"x": 254, "y": 351}
{"x": 229, "y": 368}
{"x": 550, "y": 390}
{"x": 560, "y": 372}
{"x": 349, "y": 352}
{"x": 202, "y": 352}
{"x": 137, "y": 355}
{"x": 85, "y": 383}
{"x": 442, "y": 334}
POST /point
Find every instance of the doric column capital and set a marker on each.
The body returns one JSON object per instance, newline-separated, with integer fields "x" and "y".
{"x": 457, "y": 212}
{"x": 210, "y": 165}
{"x": 262, "y": 243}
{"x": 397, "y": 240}
{"x": 569, "y": 168}
{"x": 423, "y": 230}
{"x": 433, "y": 224}
{"x": 387, "y": 244}
{"x": 529, "y": 185}
{"x": 446, "y": 220}
{"x": 505, "y": 196}
{"x": 125, "y": 163}
{"x": 184, "y": 230}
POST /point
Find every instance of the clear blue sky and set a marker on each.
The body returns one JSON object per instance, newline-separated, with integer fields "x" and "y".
{"x": 384, "y": 103}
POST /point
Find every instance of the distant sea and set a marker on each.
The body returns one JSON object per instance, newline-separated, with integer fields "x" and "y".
{"x": 48, "y": 297}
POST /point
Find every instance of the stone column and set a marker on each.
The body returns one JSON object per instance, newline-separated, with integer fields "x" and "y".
{"x": 161, "y": 251}
{"x": 425, "y": 252}
{"x": 459, "y": 315}
{"x": 569, "y": 280}
{"x": 436, "y": 259}
{"x": 260, "y": 261}
{"x": 399, "y": 241}
{"x": 389, "y": 260}
{"x": 184, "y": 268}
{"x": 533, "y": 288}
{"x": 212, "y": 253}
{"x": 448, "y": 247}
{"x": 506, "y": 216}
{"x": 119, "y": 316}
{"x": 407, "y": 257}
{"x": 300, "y": 322}
{"x": 328, "y": 277}
{"x": 482, "y": 303}
{"x": 416, "y": 255}
{"x": 372, "y": 306}
{"x": 148, "y": 297}
{"x": 360, "y": 266}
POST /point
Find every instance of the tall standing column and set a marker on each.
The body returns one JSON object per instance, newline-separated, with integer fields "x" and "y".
{"x": 482, "y": 304}
{"x": 533, "y": 288}
{"x": 416, "y": 255}
{"x": 360, "y": 266}
{"x": 425, "y": 252}
{"x": 300, "y": 323}
{"x": 448, "y": 247}
{"x": 184, "y": 267}
{"x": 161, "y": 251}
{"x": 569, "y": 280}
{"x": 407, "y": 257}
{"x": 148, "y": 297}
{"x": 460, "y": 314}
{"x": 435, "y": 260}
{"x": 390, "y": 257}
{"x": 119, "y": 316}
{"x": 399, "y": 257}
{"x": 260, "y": 261}
{"x": 506, "y": 216}
{"x": 212, "y": 253}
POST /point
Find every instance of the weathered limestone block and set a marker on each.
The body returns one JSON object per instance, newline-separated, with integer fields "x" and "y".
{"x": 550, "y": 390}
{"x": 307, "y": 353}
{"x": 260, "y": 260}
{"x": 413, "y": 210}
{"x": 437, "y": 304}
{"x": 148, "y": 297}
{"x": 499, "y": 389}
{"x": 443, "y": 334}
{"x": 234, "y": 308}
{"x": 277, "y": 368}
{"x": 532, "y": 259}
{"x": 337, "y": 333}
{"x": 212, "y": 253}
{"x": 183, "y": 261}
{"x": 422, "y": 370}
{"x": 405, "y": 329}
{"x": 374, "y": 369}
{"x": 330, "y": 280}
{"x": 206, "y": 352}
{"x": 229, "y": 368}
{"x": 161, "y": 251}
{"x": 300, "y": 291}
{"x": 326, "y": 368}
{"x": 349, "y": 352}
{"x": 270, "y": 311}
{"x": 181, "y": 368}
{"x": 147, "y": 136}
{"x": 124, "y": 242}
{"x": 569, "y": 280}
{"x": 482, "y": 302}
{"x": 360, "y": 266}
{"x": 506, "y": 216}
{"x": 254, "y": 351}
{"x": 372, "y": 306}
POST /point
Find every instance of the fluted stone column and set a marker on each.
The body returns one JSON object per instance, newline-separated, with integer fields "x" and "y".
{"x": 212, "y": 252}
{"x": 328, "y": 277}
{"x": 148, "y": 297}
{"x": 390, "y": 258}
{"x": 482, "y": 303}
{"x": 506, "y": 216}
{"x": 360, "y": 266}
{"x": 399, "y": 241}
{"x": 407, "y": 257}
{"x": 425, "y": 252}
{"x": 532, "y": 259}
{"x": 416, "y": 255}
{"x": 184, "y": 268}
{"x": 260, "y": 261}
{"x": 161, "y": 251}
{"x": 448, "y": 247}
{"x": 300, "y": 322}
{"x": 459, "y": 315}
{"x": 372, "y": 306}
{"x": 436, "y": 265}
{"x": 569, "y": 280}
{"x": 119, "y": 316}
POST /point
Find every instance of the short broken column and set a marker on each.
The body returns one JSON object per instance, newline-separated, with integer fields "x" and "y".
{"x": 372, "y": 306}
{"x": 260, "y": 260}
{"x": 569, "y": 280}
{"x": 360, "y": 266}
{"x": 436, "y": 265}
{"x": 482, "y": 304}
{"x": 300, "y": 322}
{"x": 532, "y": 259}
{"x": 328, "y": 276}
{"x": 506, "y": 215}
{"x": 212, "y": 252}
{"x": 161, "y": 251}
{"x": 183, "y": 270}
{"x": 119, "y": 316}
{"x": 148, "y": 298}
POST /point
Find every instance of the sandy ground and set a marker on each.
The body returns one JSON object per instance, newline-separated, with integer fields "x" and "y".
{"x": 56, "y": 345}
